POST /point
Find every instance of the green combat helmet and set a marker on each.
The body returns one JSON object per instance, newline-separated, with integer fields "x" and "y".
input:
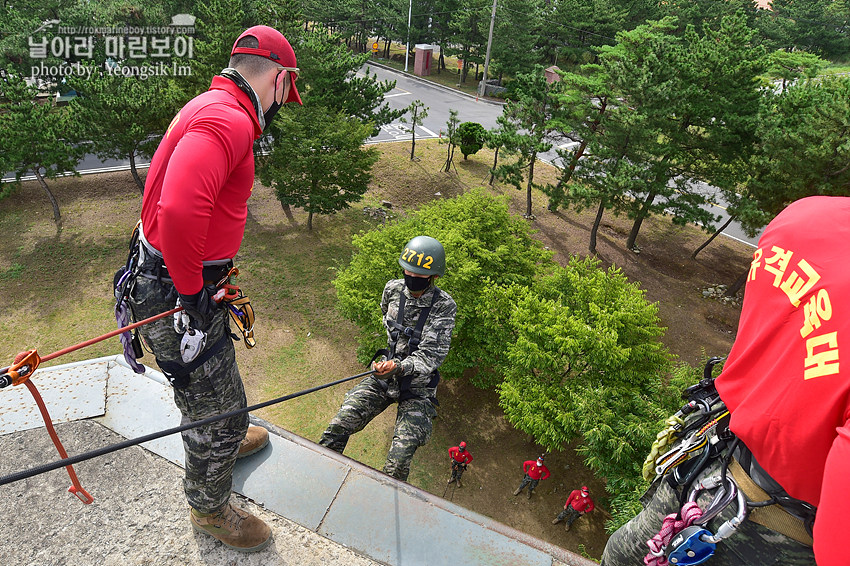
{"x": 423, "y": 255}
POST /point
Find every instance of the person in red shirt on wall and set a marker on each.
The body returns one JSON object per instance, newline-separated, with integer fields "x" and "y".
{"x": 535, "y": 471}
{"x": 460, "y": 458}
{"x": 787, "y": 388}
{"x": 578, "y": 503}
{"x": 192, "y": 222}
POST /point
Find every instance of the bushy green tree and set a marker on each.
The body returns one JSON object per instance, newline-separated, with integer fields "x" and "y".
{"x": 485, "y": 247}
{"x": 126, "y": 117}
{"x": 318, "y": 161}
{"x": 470, "y": 138}
{"x": 804, "y": 149}
{"x": 38, "y": 137}
{"x": 576, "y": 331}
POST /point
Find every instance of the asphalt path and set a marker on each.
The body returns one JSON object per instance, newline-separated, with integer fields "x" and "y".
{"x": 439, "y": 101}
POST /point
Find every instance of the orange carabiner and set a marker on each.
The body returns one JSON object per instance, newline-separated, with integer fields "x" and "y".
{"x": 25, "y": 364}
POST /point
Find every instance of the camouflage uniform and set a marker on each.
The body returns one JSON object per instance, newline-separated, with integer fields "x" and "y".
{"x": 413, "y": 388}
{"x": 751, "y": 544}
{"x": 214, "y": 388}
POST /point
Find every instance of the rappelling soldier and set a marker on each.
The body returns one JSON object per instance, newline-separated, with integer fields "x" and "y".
{"x": 419, "y": 319}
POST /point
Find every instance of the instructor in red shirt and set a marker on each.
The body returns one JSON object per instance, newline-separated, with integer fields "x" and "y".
{"x": 578, "y": 503}
{"x": 460, "y": 458}
{"x": 786, "y": 384}
{"x": 535, "y": 471}
{"x": 192, "y": 222}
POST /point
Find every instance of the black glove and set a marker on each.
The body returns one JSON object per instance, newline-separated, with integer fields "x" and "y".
{"x": 200, "y": 308}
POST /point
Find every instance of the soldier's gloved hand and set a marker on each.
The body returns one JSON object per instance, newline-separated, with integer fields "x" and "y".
{"x": 386, "y": 369}
{"x": 200, "y": 308}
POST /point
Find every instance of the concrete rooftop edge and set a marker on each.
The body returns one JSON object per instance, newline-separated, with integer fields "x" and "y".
{"x": 389, "y": 521}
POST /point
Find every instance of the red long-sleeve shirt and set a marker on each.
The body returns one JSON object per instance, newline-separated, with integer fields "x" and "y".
{"x": 534, "y": 471}
{"x": 785, "y": 382}
{"x": 460, "y": 457}
{"x": 579, "y": 502}
{"x": 200, "y": 178}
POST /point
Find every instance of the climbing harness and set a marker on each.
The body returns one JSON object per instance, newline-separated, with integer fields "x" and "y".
{"x": 414, "y": 334}
{"x": 143, "y": 260}
{"x": 699, "y": 433}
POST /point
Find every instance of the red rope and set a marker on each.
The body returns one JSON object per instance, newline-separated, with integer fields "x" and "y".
{"x": 109, "y": 334}
{"x": 76, "y": 488}
{"x": 669, "y": 527}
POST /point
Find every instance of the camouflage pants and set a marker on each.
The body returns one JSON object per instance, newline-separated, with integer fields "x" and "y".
{"x": 570, "y": 514}
{"x": 457, "y": 470}
{"x": 214, "y": 388}
{"x": 527, "y": 481}
{"x": 367, "y": 400}
{"x": 751, "y": 544}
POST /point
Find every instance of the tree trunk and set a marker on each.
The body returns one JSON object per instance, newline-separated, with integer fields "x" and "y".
{"x": 736, "y": 286}
{"x": 288, "y": 212}
{"x": 495, "y": 162}
{"x": 528, "y": 188}
{"x": 449, "y": 156}
{"x": 644, "y": 210}
{"x": 57, "y": 218}
{"x": 711, "y": 239}
{"x": 413, "y": 133}
{"x": 135, "y": 173}
{"x": 595, "y": 228}
{"x": 310, "y": 221}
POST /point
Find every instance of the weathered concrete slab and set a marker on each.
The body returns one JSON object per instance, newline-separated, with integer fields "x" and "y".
{"x": 140, "y": 404}
{"x": 290, "y": 480}
{"x": 69, "y": 393}
{"x": 312, "y": 491}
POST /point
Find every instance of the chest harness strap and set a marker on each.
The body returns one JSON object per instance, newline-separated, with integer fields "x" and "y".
{"x": 397, "y": 328}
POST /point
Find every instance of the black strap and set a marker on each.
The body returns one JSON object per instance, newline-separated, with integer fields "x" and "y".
{"x": 178, "y": 374}
{"x": 414, "y": 334}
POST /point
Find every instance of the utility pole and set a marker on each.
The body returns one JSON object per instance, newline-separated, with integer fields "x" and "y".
{"x": 407, "y": 47}
{"x": 482, "y": 86}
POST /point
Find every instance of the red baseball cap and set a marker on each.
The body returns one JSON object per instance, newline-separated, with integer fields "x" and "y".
{"x": 273, "y": 46}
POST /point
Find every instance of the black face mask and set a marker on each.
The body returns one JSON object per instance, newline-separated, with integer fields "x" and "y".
{"x": 268, "y": 115}
{"x": 416, "y": 284}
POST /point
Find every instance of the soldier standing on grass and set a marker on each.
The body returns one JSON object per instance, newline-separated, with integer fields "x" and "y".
{"x": 534, "y": 472}
{"x": 460, "y": 458}
{"x": 578, "y": 503}
{"x": 419, "y": 318}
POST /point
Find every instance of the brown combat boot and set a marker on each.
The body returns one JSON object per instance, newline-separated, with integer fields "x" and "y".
{"x": 516, "y": 491}
{"x": 235, "y": 528}
{"x": 255, "y": 440}
{"x": 459, "y": 484}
